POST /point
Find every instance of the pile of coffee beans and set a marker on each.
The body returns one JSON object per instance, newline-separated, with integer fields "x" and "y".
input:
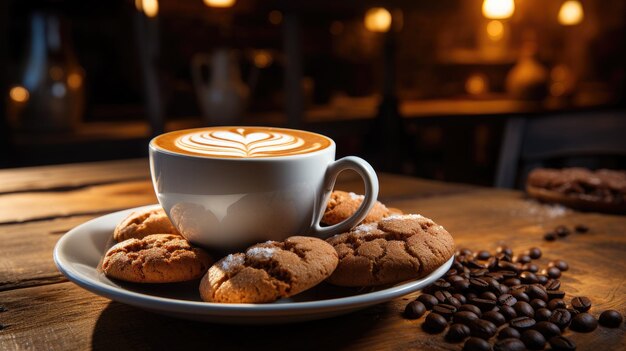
{"x": 562, "y": 231}
{"x": 505, "y": 302}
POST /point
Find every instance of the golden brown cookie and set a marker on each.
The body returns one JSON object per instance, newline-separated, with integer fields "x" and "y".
{"x": 269, "y": 271}
{"x": 397, "y": 248}
{"x": 142, "y": 223}
{"x": 342, "y": 205}
{"x": 158, "y": 258}
{"x": 602, "y": 190}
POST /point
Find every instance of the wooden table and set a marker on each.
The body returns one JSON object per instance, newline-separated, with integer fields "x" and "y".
{"x": 42, "y": 310}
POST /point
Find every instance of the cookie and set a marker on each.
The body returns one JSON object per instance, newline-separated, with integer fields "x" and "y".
{"x": 142, "y": 223}
{"x": 158, "y": 258}
{"x": 342, "y": 205}
{"x": 395, "y": 249}
{"x": 603, "y": 190}
{"x": 269, "y": 271}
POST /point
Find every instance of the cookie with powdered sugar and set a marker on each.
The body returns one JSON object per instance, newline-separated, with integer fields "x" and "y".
{"x": 269, "y": 271}
{"x": 342, "y": 205}
{"x": 397, "y": 248}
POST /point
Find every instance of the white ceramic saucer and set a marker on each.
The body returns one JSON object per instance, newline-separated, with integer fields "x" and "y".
{"x": 79, "y": 252}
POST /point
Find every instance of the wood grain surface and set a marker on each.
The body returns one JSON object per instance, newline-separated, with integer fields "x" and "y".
{"x": 45, "y": 311}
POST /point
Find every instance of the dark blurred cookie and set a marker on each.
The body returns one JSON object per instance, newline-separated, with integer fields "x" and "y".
{"x": 158, "y": 258}
{"x": 603, "y": 190}
{"x": 143, "y": 223}
{"x": 269, "y": 271}
{"x": 397, "y": 248}
{"x": 342, "y": 205}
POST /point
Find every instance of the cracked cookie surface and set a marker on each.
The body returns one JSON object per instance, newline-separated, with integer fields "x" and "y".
{"x": 342, "y": 205}
{"x": 269, "y": 271}
{"x": 395, "y": 249}
{"x": 157, "y": 258}
{"x": 142, "y": 223}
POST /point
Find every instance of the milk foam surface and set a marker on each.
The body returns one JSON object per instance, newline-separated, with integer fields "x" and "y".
{"x": 242, "y": 142}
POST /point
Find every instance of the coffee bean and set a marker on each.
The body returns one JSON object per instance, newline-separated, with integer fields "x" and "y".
{"x": 531, "y": 267}
{"x": 508, "y": 274}
{"x": 441, "y": 296}
{"x": 584, "y": 323}
{"x": 510, "y": 344}
{"x": 560, "y": 264}
{"x": 474, "y": 264}
{"x": 3, "y": 309}
{"x": 537, "y": 304}
{"x": 428, "y": 300}
{"x": 453, "y": 278}
{"x": 549, "y": 236}
{"x": 414, "y": 310}
{"x": 547, "y": 329}
{"x": 528, "y": 277}
{"x": 562, "y": 231}
{"x": 537, "y": 291}
{"x": 522, "y": 259}
{"x": 534, "y": 253}
{"x": 522, "y": 323}
{"x": 506, "y": 300}
{"x": 464, "y": 252}
{"x": 512, "y": 282}
{"x": 494, "y": 317}
{"x": 471, "y": 308}
{"x": 542, "y": 314}
{"x": 488, "y": 295}
{"x": 508, "y": 312}
{"x": 465, "y": 317}
{"x": 573, "y": 311}
{"x": 434, "y": 323}
{"x": 555, "y": 294}
{"x": 508, "y": 266}
{"x": 611, "y": 319}
{"x": 476, "y": 344}
{"x": 508, "y": 332}
{"x": 556, "y": 303}
{"x": 460, "y": 297}
{"x": 505, "y": 250}
{"x": 551, "y": 272}
{"x": 478, "y": 272}
{"x": 441, "y": 284}
{"x": 483, "y": 304}
{"x": 552, "y": 284}
{"x": 542, "y": 279}
{"x": 457, "y": 332}
{"x": 482, "y": 255}
{"x": 524, "y": 309}
{"x": 478, "y": 284}
{"x": 562, "y": 343}
{"x": 581, "y": 303}
{"x": 561, "y": 317}
{"x": 461, "y": 285}
{"x": 533, "y": 340}
{"x": 453, "y": 301}
{"x": 445, "y": 310}
{"x": 482, "y": 328}
{"x": 581, "y": 228}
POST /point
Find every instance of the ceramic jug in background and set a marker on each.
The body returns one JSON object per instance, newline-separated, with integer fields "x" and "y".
{"x": 223, "y": 96}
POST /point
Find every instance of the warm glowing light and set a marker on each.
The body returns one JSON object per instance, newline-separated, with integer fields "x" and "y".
{"x": 571, "y": 13}
{"x": 149, "y": 7}
{"x": 275, "y": 17}
{"x": 220, "y": 3}
{"x": 19, "y": 94}
{"x": 476, "y": 84}
{"x": 262, "y": 59}
{"x": 498, "y": 9}
{"x": 378, "y": 19}
{"x": 495, "y": 30}
{"x": 74, "y": 80}
{"x": 336, "y": 28}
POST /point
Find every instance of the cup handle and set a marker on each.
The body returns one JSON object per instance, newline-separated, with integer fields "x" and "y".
{"x": 370, "y": 179}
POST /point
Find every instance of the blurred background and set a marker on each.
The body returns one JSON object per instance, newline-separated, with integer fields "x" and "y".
{"x": 455, "y": 90}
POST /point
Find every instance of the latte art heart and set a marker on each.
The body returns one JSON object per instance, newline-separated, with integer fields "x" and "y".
{"x": 243, "y": 142}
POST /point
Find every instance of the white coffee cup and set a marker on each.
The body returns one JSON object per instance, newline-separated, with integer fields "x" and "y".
{"x": 226, "y": 188}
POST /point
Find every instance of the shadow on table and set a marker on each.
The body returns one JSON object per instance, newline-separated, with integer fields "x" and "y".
{"x": 122, "y": 327}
